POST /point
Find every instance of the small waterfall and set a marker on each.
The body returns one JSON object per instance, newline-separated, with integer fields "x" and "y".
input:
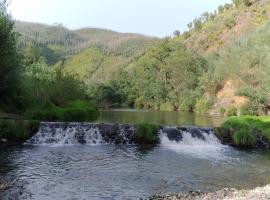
{"x": 82, "y": 133}
{"x": 188, "y": 136}
{"x": 66, "y": 134}
{"x": 181, "y": 139}
{"x": 193, "y": 141}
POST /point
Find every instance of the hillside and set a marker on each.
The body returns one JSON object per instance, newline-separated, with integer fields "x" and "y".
{"x": 219, "y": 65}
{"x": 57, "y": 42}
{"x": 215, "y": 31}
{"x": 231, "y": 47}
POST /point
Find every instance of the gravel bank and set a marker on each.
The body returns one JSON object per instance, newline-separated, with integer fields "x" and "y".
{"x": 260, "y": 193}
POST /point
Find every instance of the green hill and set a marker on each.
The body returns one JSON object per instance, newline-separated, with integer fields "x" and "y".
{"x": 215, "y": 31}
{"x": 233, "y": 42}
{"x": 57, "y": 42}
{"x": 219, "y": 65}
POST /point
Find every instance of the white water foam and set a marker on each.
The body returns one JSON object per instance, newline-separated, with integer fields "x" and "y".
{"x": 210, "y": 148}
{"x": 61, "y": 136}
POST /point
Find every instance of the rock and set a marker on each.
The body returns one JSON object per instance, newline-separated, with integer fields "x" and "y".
{"x": 262, "y": 193}
{"x": 173, "y": 134}
{"x": 194, "y": 131}
{"x": 4, "y": 140}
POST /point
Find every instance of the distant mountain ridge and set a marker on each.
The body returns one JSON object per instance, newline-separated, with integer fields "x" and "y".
{"x": 66, "y": 42}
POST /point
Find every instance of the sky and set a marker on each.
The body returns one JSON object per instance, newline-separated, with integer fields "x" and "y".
{"x": 150, "y": 17}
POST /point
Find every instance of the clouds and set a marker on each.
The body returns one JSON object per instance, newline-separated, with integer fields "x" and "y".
{"x": 153, "y": 17}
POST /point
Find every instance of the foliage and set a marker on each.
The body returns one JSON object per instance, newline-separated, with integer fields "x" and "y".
{"x": 244, "y": 138}
{"x": 232, "y": 112}
{"x": 18, "y": 130}
{"x": 249, "y": 123}
{"x": 146, "y": 134}
{"x": 9, "y": 59}
{"x": 153, "y": 80}
{"x": 222, "y": 111}
{"x": 55, "y": 42}
{"x": 42, "y": 85}
{"x": 202, "y": 106}
{"x": 245, "y": 62}
{"x": 74, "y": 111}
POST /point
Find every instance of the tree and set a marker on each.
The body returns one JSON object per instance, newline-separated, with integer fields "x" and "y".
{"x": 9, "y": 59}
{"x": 176, "y": 33}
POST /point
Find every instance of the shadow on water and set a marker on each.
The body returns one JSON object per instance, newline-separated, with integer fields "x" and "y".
{"x": 163, "y": 118}
{"x": 143, "y": 150}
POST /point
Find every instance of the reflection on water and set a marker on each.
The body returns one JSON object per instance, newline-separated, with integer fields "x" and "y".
{"x": 121, "y": 172}
{"x": 163, "y": 118}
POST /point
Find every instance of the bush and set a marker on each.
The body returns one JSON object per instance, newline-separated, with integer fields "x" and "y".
{"x": 232, "y": 112}
{"x": 78, "y": 111}
{"x": 202, "y": 106}
{"x": 222, "y": 111}
{"x": 18, "y": 130}
{"x": 147, "y": 134}
{"x": 244, "y": 138}
{"x": 48, "y": 112}
{"x": 250, "y": 123}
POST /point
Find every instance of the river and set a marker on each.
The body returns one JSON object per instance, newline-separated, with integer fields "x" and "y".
{"x": 98, "y": 171}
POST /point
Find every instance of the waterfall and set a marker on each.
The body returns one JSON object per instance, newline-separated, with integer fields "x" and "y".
{"x": 175, "y": 138}
{"x": 192, "y": 141}
{"x": 82, "y": 133}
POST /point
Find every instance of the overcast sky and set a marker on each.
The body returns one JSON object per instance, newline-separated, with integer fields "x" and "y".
{"x": 150, "y": 17}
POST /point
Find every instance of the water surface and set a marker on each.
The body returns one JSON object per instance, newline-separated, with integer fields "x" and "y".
{"x": 157, "y": 117}
{"x": 127, "y": 172}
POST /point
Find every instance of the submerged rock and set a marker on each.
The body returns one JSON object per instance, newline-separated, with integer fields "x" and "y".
{"x": 173, "y": 134}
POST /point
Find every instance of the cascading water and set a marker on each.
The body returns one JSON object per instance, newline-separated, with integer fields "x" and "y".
{"x": 194, "y": 141}
{"x": 66, "y": 134}
{"x": 82, "y": 133}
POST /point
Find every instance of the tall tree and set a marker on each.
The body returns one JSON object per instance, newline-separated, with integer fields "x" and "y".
{"x": 9, "y": 61}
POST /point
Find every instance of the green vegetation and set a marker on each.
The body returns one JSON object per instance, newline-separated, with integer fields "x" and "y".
{"x": 220, "y": 64}
{"x": 17, "y": 130}
{"x": 146, "y": 134}
{"x": 56, "y": 43}
{"x": 186, "y": 72}
{"x": 75, "y": 111}
{"x": 244, "y": 138}
{"x": 159, "y": 73}
{"x": 30, "y": 87}
{"x": 9, "y": 62}
{"x": 245, "y": 127}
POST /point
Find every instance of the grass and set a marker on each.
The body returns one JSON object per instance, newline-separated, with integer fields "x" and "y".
{"x": 146, "y": 134}
{"x": 244, "y": 138}
{"x": 244, "y": 127}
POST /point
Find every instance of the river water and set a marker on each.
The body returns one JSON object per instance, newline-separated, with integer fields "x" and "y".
{"x": 161, "y": 118}
{"x": 72, "y": 171}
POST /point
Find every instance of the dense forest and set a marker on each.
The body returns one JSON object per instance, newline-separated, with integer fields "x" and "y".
{"x": 219, "y": 65}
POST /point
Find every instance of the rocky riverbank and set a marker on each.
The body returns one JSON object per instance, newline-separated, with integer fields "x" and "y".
{"x": 260, "y": 193}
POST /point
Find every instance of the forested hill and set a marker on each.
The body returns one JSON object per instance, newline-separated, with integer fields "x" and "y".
{"x": 217, "y": 30}
{"x": 55, "y": 42}
{"x": 221, "y": 64}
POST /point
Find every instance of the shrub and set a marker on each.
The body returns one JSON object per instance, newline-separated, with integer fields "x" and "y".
{"x": 232, "y": 112}
{"x": 249, "y": 123}
{"x": 78, "y": 111}
{"x": 222, "y": 111}
{"x": 146, "y": 134}
{"x": 18, "y": 130}
{"x": 48, "y": 112}
{"x": 202, "y": 106}
{"x": 251, "y": 108}
{"x": 230, "y": 22}
{"x": 244, "y": 138}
